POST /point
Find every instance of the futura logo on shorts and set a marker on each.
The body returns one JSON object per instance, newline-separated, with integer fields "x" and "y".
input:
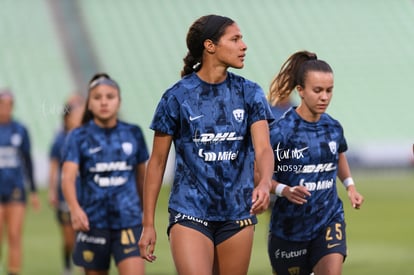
{"x": 283, "y": 254}
{"x": 184, "y": 217}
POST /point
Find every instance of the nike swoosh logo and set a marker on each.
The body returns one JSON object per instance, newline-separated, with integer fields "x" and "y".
{"x": 129, "y": 250}
{"x": 332, "y": 245}
{"x": 95, "y": 150}
{"x": 196, "y": 117}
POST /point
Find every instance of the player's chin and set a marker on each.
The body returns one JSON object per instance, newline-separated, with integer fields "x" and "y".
{"x": 321, "y": 108}
{"x": 319, "y": 111}
{"x": 238, "y": 65}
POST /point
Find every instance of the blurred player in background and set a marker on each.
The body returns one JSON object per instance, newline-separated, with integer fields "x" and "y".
{"x": 307, "y": 228}
{"x": 218, "y": 122}
{"x": 110, "y": 157}
{"x": 16, "y": 169}
{"x": 72, "y": 116}
{"x": 279, "y": 106}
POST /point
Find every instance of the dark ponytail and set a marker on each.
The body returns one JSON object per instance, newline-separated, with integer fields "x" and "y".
{"x": 206, "y": 27}
{"x": 293, "y": 72}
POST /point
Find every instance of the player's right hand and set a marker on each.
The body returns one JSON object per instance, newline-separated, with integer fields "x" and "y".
{"x": 80, "y": 221}
{"x": 296, "y": 194}
{"x": 147, "y": 243}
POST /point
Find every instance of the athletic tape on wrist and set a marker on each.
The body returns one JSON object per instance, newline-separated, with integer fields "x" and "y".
{"x": 279, "y": 188}
{"x": 348, "y": 182}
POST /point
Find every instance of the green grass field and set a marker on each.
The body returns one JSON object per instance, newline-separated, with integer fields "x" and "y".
{"x": 380, "y": 235}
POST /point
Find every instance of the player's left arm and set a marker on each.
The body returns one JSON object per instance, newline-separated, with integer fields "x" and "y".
{"x": 28, "y": 166}
{"x": 264, "y": 164}
{"x": 344, "y": 174}
{"x": 139, "y": 178}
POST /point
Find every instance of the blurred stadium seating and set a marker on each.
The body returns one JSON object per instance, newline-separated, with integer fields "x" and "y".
{"x": 141, "y": 44}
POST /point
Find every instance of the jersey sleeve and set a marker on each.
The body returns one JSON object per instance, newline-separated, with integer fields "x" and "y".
{"x": 258, "y": 105}
{"x": 343, "y": 145}
{"x": 27, "y": 158}
{"x": 54, "y": 149}
{"x": 70, "y": 149}
{"x": 142, "y": 150}
{"x": 166, "y": 115}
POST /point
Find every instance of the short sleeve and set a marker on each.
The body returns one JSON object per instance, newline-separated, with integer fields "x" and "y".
{"x": 343, "y": 145}
{"x": 258, "y": 105}
{"x": 142, "y": 151}
{"x": 166, "y": 115}
{"x": 71, "y": 150}
{"x": 55, "y": 149}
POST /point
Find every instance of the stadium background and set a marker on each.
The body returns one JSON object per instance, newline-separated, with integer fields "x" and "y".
{"x": 50, "y": 48}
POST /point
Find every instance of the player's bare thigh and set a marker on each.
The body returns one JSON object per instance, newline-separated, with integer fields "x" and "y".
{"x": 192, "y": 251}
{"x": 330, "y": 264}
{"x": 233, "y": 255}
{"x": 14, "y": 217}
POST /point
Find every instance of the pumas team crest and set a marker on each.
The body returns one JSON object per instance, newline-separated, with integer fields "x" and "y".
{"x": 16, "y": 140}
{"x": 238, "y": 114}
{"x": 332, "y": 146}
{"x": 127, "y": 147}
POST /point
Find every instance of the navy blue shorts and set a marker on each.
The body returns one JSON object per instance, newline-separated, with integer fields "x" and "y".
{"x": 18, "y": 194}
{"x": 216, "y": 231}
{"x": 299, "y": 258}
{"x": 93, "y": 249}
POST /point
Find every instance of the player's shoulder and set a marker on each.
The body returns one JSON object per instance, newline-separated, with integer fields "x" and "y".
{"x": 328, "y": 119}
{"x": 79, "y": 132}
{"x": 284, "y": 126}
{"x": 288, "y": 117}
{"x": 236, "y": 79}
{"x": 19, "y": 130}
{"x": 187, "y": 82}
{"x": 58, "y": 132}
{"x": 80, "y": 129}
{"x": 128, "y": 126}
{"x": 133, "y": 128}
{"x": 16, "y": 124}
{"x": 59, "y": 135}
{"x": 180, "y": 91}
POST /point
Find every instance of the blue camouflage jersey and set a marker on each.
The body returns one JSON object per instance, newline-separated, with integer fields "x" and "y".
{"x": 56, "y": 152}
{"x": 107, "y": 159}
{"x": 210, "y": 125}
{"x": 306, "y": 154}
{"x": 15, "y": 158}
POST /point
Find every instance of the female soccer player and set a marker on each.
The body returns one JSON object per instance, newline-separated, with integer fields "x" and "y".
{"x": 72, "y": 116}
{"x": 15, "y": 168}
{"x": 307, "y": 228}
{"x": 110, "y": 157}
{"x": 215, "y": 119}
